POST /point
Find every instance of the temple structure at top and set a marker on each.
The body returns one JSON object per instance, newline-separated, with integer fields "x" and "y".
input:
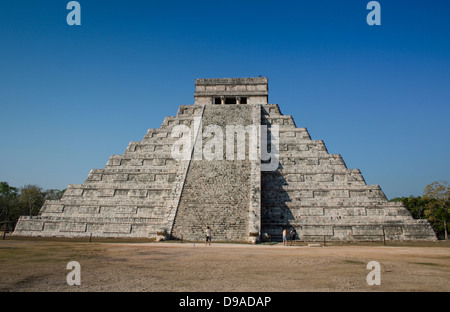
{"x": 231, "y": 91}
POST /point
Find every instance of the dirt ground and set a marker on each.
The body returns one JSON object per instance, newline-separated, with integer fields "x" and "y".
{"x": 30, "y": 265}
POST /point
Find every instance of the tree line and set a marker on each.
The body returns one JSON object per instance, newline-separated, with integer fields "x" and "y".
{"x": 22, "y": 201}
{"x": 433, "y": 205}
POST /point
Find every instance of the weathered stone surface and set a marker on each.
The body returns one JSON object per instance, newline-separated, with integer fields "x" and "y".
{"x": 146, "y": 193}
{"x": 254, "y": 90}
{"x": 219, "y": 193}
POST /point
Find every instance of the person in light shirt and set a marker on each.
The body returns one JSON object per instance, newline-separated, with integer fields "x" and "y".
{"x": 208, "y": 236}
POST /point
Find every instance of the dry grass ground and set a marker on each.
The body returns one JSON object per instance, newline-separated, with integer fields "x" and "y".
{"x": 40, "y": 265}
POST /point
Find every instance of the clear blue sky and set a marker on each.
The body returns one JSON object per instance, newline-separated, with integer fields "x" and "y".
{"x": 71, "y": 96}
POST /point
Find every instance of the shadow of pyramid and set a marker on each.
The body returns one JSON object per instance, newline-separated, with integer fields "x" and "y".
{"x": 275, "y": 212}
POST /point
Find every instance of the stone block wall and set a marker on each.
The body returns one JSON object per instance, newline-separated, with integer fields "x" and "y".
{"x": 314, "y": 192}
{"x": 255, "y": 90}
{"x": 135, "y": 195}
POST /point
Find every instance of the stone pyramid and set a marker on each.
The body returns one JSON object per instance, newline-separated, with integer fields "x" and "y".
{"x": 147, "y": 192}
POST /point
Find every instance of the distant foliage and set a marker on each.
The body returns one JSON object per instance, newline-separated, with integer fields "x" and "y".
{"x": 433, "y": 206}
{"x": 437, "y": 209}
{"x": 23, "y": 201}
{"x": 415, "y": 205}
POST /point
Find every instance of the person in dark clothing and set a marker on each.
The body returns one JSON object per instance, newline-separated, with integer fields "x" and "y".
{"x": 293, "y": 235}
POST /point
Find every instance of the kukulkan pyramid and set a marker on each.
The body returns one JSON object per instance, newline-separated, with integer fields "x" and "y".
{"x": 291, "y": 181}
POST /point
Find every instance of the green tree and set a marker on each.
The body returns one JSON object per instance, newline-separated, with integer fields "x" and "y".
{"x": 27, "y": 200}
{"x": 437, "y": 209}
{"x": 53, "y": 194}
{"x": 8, "y": 203}
{"x": 415, "y": 204}
{"x": 6, "y": 190}
{"x": 31, "y": 198}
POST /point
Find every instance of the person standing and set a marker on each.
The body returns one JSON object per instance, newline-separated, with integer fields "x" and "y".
{"x": 208, "y": 236}
{"x": 293, "y": 234}
{"x": 284, "y": 237}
